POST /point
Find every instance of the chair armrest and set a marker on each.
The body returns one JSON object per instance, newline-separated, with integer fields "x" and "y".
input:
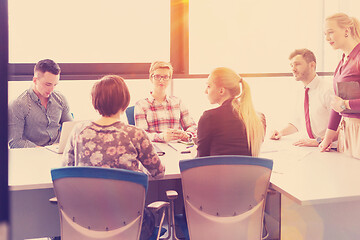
{"x": 172, "y": 194}
{"x": 158, "y": 205}
{"x": 53, "y": 200}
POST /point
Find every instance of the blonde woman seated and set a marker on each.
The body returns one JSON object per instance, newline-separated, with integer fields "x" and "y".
{"x": 108, "y": 142}
{"x": 165, "y": 118}
{"x": 234, "y": 128}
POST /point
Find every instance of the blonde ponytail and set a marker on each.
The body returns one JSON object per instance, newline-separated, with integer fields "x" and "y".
{"x": 356, "y": 28}
{"x": 243, "y": 105}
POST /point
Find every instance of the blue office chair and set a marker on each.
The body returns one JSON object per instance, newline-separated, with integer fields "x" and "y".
{"x": 102, "y": 203}
{"x": 130, "y": 115}
{"x": 224, "y": 196}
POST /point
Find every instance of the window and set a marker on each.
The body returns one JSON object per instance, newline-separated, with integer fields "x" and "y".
{"x": 89, "y": 31}
{"x": 253, "y": 36}
{"x": 248, "y": 36}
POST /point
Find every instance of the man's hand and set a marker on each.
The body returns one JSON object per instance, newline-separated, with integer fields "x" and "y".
{"x": 275, "y": 135}
{"x": 306, "y": 142}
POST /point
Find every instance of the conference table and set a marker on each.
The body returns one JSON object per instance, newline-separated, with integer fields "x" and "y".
{"x": 30, "y": 188}
{"x": 320, "y": 192}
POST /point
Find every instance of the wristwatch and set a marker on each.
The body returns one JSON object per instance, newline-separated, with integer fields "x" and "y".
{"x": 343, "y": 106}
{"x": 319, "y": 140}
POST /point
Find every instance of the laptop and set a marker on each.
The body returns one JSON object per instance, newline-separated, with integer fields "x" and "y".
{"x": 64, "y": 135}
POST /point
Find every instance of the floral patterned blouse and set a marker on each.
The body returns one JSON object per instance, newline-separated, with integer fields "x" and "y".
{"x": 113, "y": 146}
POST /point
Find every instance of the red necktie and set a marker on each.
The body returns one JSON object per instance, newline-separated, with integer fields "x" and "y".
{"x": 307, "y": 116}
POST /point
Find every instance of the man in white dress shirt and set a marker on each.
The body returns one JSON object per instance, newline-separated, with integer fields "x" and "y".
{"x": 312, "y": 114}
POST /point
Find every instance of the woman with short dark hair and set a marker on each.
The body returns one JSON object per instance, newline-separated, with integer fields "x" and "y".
{"x": 108, "y": 142}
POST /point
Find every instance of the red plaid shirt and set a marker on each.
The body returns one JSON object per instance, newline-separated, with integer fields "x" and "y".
{"x": 155, "y": 117}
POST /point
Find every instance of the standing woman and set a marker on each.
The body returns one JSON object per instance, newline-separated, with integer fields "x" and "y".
{"x": 343, "y": 32}
{"x": 234, "y": 128}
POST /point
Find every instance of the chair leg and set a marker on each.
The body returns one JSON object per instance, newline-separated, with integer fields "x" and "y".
{"x": 172, "y": 195}
{"x": 164, "y": 207}
{"x": 174, "y": 237}
{"x": 169, "y": 223}
{"x": 161, "y": 223}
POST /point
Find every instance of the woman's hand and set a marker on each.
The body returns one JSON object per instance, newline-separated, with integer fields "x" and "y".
{"x": 325, "y": 145}
{"x": 338, "y": 104}
{"x": 184, "y": 136}
{"x": 175, "y": 134}
{"x": 170, "y": 135}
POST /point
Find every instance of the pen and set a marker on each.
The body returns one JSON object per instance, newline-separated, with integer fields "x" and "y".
{"x": 171, "y": 147}
{"x": 185, "y": 152}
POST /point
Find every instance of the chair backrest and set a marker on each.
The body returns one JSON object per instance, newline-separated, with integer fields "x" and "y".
{"x": 130, "y": 115}
{"x": 224, "y": 196}
{"x": 99, "y": 203}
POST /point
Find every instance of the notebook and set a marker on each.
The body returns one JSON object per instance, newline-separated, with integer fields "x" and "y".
{"x": 64, "y": 135}
{"x": 348, "y": 91}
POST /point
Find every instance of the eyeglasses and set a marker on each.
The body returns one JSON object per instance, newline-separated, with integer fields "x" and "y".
{"x": 158, "y": 77}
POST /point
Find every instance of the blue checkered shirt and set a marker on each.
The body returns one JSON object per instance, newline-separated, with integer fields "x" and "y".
{"x": 31, "y": 124}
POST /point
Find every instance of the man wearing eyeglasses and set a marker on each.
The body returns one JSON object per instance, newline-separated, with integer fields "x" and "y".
{"x": 164, "y": 117}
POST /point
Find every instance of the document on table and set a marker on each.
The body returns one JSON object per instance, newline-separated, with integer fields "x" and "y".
{"x": 274, "y": 146}
{"x": 286, "y": 157}
{"x": 181, "y": 147}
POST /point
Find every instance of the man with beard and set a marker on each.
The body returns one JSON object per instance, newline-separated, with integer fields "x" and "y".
{"x": 313, "y": 107}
